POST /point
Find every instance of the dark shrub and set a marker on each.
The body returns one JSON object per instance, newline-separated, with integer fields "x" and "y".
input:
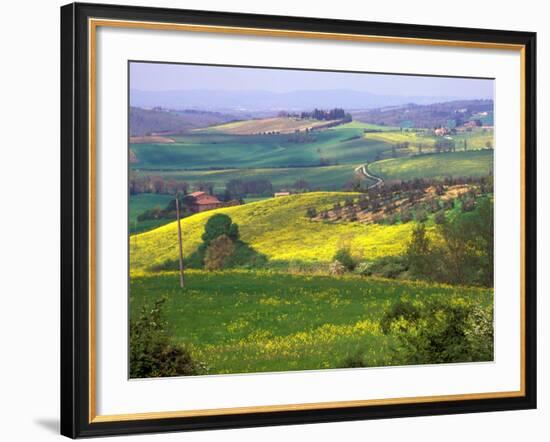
{"x": 151, "y": 352}
{"x": 440, "y": 331}
{"x": 344, "y": 257}
{"x": 389, "y": 266}
{"x": 400, "y": 310}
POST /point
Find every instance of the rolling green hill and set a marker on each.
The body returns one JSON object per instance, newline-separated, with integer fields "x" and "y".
{"x": 345, "y": 144}
{"x": 470, "y": 163}
{"x": 279, "y": 229}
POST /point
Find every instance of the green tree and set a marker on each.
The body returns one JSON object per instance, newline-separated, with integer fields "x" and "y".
{"x": 218, "y": 225}
{"x": 217, "y": 253}
{"x": 419, "y": 253}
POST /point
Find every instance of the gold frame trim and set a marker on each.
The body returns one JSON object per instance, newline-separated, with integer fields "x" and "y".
{"x": 93, "y": 24}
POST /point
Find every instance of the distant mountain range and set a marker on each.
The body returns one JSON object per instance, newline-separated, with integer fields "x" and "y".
{"x": 253, "y": 100}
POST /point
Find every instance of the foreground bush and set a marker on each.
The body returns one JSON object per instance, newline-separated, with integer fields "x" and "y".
{"x": 151, "y": 352}
{"x": 439, "y": 331}
{"x": 343, "y": 256}
{"x": 386, "y": 267}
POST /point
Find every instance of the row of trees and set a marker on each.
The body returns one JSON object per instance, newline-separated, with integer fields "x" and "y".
{"x": 332, "y": 114}
{"x": 157, "y": 184}
{"x": 404, "y": 195}
{"x": 237, "y": 189}
{"x": 458, "y": 250}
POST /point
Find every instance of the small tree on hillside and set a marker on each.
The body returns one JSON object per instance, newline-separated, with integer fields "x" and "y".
{"x": 218, "y": 225}
{"x": 217, "y": 252}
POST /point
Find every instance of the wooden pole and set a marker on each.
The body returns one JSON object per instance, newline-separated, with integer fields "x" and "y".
{"x": 182, "y": 282}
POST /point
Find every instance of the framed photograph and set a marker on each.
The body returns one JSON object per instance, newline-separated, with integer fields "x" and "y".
{"x": 278, "y": 220}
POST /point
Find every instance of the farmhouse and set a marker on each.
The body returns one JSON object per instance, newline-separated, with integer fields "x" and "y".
{"x": 278, "y": 194}
{"x": 203, "y": 201}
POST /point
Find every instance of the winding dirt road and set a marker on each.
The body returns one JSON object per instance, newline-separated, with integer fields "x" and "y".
{"x": 364, "y": 171}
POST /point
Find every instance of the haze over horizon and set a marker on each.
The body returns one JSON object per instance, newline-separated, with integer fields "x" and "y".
{"x": 222, "y": 87}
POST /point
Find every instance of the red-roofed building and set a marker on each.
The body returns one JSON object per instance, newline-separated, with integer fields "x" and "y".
{"x": 203, "y": 201}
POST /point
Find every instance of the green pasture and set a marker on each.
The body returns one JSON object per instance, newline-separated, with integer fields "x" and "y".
{"x": 326, "y": 177}
{"x": 241, "y": 322}
{"x": 339, "y": 145}
{"x": 470, "y": 163}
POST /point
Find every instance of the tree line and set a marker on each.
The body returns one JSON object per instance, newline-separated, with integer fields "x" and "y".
{"x": 332, "y": 114}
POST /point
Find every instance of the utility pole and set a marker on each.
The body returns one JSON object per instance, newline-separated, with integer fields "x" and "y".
{"x": 182, "y": 282}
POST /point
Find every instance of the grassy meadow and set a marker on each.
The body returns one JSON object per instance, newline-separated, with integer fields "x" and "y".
{"x": 253, "y": 321}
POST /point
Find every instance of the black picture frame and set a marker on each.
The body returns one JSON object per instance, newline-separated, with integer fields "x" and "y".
{"x": 75, "y": 220}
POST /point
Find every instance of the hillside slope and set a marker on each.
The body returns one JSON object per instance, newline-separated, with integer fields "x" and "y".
{"x": 473, "y": 163}
{"x": 282, "y": 125}
{"x": 279, "y": 229}
{"x": 343, "y": 144}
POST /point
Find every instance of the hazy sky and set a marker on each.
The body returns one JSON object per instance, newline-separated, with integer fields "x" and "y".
{"x": 164, "y": 77}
